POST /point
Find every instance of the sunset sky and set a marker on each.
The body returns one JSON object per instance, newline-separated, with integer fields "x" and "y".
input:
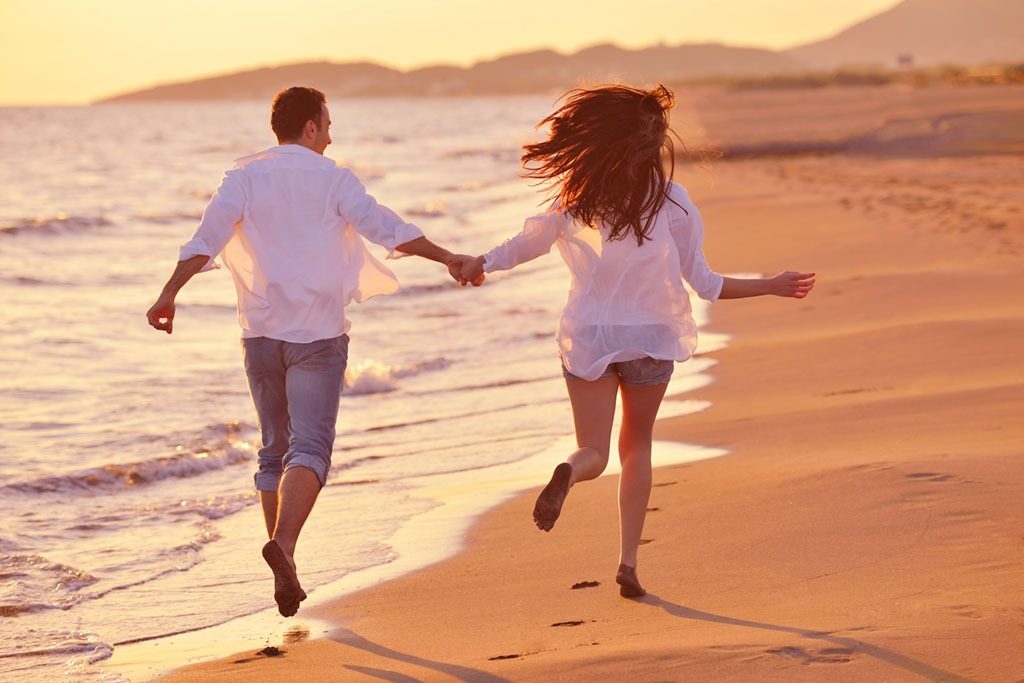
{"x": 75, "y": 51}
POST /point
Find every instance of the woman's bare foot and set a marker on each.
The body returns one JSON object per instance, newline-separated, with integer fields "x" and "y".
{"x": 549, "y": 502}
{"x": 629, "y": 585}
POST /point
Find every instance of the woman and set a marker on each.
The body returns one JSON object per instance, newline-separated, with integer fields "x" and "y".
{"x": 629, "y": 237}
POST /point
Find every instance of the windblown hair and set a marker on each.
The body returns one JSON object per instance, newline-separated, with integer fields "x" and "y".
{"x": 293, "y": 108}
{"x": 603, "y": 158}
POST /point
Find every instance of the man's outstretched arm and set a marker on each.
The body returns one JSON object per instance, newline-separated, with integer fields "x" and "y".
{"x": 383, "y": 226}
{"x": 424, "y": 248}
{"x": 161, "y": 314}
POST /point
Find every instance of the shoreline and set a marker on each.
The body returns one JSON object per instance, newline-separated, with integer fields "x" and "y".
{"x": 423, "y": 541}
{"x": 866, "y": 524}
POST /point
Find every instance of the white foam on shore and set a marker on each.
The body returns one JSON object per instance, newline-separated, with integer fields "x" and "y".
{"x": 424, "y": 540}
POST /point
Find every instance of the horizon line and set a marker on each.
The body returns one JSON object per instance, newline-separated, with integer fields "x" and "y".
{"x": 372, "y": 62}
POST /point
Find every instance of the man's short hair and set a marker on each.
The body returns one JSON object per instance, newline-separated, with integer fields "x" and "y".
{"x": 292, "y": 108}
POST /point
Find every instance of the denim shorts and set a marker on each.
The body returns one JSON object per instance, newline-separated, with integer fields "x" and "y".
{"x": 642, "y": 372}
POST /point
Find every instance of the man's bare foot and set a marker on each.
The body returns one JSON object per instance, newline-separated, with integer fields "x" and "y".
{"x": 549, "y": 502}
{"x": 629, "y": 585}
{"x": 287, "y": 591}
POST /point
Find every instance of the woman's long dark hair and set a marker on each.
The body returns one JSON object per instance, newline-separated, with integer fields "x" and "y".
{"x": 603, "y": 158}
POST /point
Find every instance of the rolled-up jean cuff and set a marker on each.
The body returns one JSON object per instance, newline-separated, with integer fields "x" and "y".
{"x": 318, "y": 465}
{"x": 267, "y": 481}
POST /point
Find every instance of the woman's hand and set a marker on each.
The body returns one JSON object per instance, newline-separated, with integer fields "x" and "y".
{"x": 791, "y": 284}
{"x": 473, "y": 270}
{"x": 467, "y": 269}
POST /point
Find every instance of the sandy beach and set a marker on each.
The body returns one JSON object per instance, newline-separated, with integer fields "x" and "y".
{"x": 867, "y": 524}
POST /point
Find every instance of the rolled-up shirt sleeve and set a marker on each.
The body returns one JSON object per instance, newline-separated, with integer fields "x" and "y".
{"x": 687, "y": 229}
{"x": 536, "y": 239}
{"x": 375, "y": 222}
{"x": 221, "y": 216}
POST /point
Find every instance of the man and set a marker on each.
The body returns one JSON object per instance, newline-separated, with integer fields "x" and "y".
{"x": 288, "y": 221}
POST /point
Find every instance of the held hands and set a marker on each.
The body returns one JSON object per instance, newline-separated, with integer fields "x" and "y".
{"x": 466, "y": 269}
{"x": 161, "y": 315}
{"x": 791, "y": 284}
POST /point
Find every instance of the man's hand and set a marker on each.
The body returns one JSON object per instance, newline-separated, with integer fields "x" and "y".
{"x": 161, "y": 314}
{"x": 467, "y": 269}
{"x": 792, "y": 284}
{"x": 455, "y": 263}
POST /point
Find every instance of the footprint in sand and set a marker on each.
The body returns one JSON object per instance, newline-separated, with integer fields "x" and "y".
{"x": 567, "y": 623}
{"x": 872, "y": 467}
{"x": 268, "y": 651}
{"x": 829, "y": 655}
{"x": 653, "y": 509}
{"x": 930, "y": 476}
{"x": 296, "y": 634}
{"x": 966, "y": 515}
{"x": 855, "y": 390}
{"x": 835, "y": 655}
{"x": 645, "y": 541}
{"x": 585, "y": 584}
{"x": 965, "y": 611}
{"x": 667, "y": 483}
{"x": 498, "y": 657}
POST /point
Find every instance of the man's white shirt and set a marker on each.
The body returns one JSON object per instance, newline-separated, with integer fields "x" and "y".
{"x": 288, "y": 224}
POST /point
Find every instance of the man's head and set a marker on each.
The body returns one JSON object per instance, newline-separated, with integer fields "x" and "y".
{"x": 299, "y": 116}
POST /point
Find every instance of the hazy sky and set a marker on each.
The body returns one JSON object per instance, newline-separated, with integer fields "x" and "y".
{"x": 79, "y": 50}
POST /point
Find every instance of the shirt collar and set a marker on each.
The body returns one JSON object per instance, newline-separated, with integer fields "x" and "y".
{"x": 292, "y": 148}
{"x": 284, "y": 150}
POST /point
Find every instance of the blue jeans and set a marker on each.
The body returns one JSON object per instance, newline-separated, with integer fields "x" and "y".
{"x": 296, "y": 389}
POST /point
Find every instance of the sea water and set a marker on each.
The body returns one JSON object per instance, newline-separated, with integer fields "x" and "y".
{"x": 127, "y": 510}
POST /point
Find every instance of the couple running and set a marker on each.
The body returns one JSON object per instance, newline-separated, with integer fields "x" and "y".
{"x": 289, "y": 225}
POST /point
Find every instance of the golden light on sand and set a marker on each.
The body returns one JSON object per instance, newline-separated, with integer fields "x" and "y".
{"x": 53, "y": 51}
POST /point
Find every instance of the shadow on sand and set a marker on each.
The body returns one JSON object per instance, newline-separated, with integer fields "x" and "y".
{"x": 896, "y": 659}
{"x": 462, "y": 673}
{"x": 383, "y": 674}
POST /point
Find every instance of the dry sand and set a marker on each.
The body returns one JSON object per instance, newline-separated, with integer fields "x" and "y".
{"x": 868, "y": 524}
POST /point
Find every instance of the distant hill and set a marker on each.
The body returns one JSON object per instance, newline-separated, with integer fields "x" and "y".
{"x": 933, "y": 32}
{"x": 528, "y": 72}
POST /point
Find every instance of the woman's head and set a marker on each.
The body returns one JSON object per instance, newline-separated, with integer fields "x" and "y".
{"x": 604, "y": 156}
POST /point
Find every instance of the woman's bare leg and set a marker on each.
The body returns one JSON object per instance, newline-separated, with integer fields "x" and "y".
{"x": 593, "y": 408}
{"x": 639, "y": 410}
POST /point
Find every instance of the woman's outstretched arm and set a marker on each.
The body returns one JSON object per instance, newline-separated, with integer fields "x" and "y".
{"x": 536, "y": 239}
{"x": 789, "y": 284}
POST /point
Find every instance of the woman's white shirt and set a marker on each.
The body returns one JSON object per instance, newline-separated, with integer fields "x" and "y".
{"x": 626, "y": 301}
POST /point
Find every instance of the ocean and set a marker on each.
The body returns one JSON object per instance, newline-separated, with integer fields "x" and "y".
{"x": 127, "y": 511}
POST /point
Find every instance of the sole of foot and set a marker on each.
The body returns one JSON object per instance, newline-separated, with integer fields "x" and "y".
{"x": 288, "y": 592}
{"x": 549, "y": 502}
